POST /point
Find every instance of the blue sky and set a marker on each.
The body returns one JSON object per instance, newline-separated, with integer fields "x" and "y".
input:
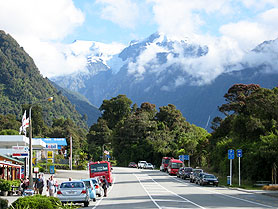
{"x": 46, "y": 29}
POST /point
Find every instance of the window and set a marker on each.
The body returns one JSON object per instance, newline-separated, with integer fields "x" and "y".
{"x": 99, "y": 167}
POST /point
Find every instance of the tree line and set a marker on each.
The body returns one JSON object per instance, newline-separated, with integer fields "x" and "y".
{"x": 131, "y": 133}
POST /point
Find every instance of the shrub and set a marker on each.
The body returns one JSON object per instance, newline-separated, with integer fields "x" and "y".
{"x": 5, "y": 185}
{"x": 36, "y": 201}
{"x": 3, "y": 203}
{"x": 272, "y": 188}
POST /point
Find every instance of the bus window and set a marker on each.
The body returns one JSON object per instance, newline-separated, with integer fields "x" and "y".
{"x": 99, "y": 167}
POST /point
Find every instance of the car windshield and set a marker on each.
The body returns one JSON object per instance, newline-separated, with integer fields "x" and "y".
{"x": 209, "y": 176}
{"x": 166, "y": 161}
{"x": 72, "y": 185}
{"x": 197, "y": 170}
{"x": 176, "y": 165}
{"x": 188, "y": 169}
{"x": 149, "y": 164}
{"x": 94, "y": 181}
{"x": 99, "y": 167}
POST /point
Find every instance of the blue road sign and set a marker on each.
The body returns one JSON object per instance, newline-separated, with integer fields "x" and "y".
{"x": 231, "y": 154}
{"x": 239, "y": 152}
{"x": 183, "y": 157}
{"x": 108, "y": 156}
{"x": 51, "y": 169}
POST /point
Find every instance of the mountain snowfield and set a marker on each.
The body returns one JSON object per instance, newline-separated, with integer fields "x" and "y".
{"x": 163, "y": 70}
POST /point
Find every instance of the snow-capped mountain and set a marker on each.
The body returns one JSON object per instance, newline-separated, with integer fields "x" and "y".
{"x": 161, "y": 70}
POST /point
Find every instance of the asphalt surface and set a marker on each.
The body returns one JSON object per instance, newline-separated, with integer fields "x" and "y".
{"x": 136, "y": 188}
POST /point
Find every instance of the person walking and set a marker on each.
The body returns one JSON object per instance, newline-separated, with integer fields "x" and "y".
{"x": 39, "y": 184}
{"x": 51, "y": 186}
{"x": 25, "y": 184}
{"x": 105, "y": 185}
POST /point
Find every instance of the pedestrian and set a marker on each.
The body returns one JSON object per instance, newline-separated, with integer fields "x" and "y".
{"x": 39, "y": 184}
{"x": 51, "y": 186}
{"x": 105, "y": 185}
{"x": 25, "y": 184}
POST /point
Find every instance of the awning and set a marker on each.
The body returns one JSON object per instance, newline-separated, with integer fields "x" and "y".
{"x": 5, "y": 163}
{"x": 59, "y": 141}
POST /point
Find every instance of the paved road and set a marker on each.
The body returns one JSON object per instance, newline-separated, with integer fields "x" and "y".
{"x": 134, "y": 188}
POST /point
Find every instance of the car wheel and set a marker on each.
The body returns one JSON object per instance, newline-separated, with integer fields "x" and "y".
{"x": 98, "y": 195}
{"x": 86, "y": 204}
{"x": 94, "y": 199}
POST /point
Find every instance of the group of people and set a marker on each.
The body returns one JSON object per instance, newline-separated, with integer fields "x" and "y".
{"x": 39, "y": 184}
{"x": 51, "y": 185}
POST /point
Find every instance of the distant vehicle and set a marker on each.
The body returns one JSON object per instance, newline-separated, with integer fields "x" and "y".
{"x": 141, "y": 164}
{"x": 132, "y": 165}
{"x": 148, "y": 166}
{"x": 101, "y": 168}
{"x": 164, "y": 163}
{"x": 193, "y": 175}
{"x": 174, "y": 166}
{"x": 180, "y": 172}
{"x": 208, "y": 179}
{"x": 186, "y": 172}
{"x": 97, "y": 185}
{"x": 74, "y": 192}
{"x": 91, "y": 187}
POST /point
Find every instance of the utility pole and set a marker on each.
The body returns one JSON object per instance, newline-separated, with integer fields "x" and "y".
{"x": 70, "y": 161}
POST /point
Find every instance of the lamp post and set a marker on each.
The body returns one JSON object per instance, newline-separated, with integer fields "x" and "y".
{"x": 30, "y": 143}
{"x": 103, "y": 150}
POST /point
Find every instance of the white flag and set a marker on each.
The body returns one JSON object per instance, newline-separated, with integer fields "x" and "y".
{"x": 25, "y": 124}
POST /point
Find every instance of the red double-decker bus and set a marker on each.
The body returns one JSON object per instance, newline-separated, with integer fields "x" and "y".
{"x": 101, "y": 168}
{"x": 164, "y": 163}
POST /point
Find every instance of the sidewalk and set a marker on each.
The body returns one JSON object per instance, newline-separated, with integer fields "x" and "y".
{"x": 11, "y": 199}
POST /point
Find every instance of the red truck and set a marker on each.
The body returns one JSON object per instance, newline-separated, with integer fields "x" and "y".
{"x": 164, "y": 163}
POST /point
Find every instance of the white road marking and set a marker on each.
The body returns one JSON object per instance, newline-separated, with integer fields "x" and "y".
{"x": 249, "y": 201}
{"x": 143, "y": 176}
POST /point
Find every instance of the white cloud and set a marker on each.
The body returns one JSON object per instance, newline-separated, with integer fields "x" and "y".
{"x": 39, "y": 26}
{"x": 249, "y": 34}
{"x": 182, "y": 18}
{"x": 122, "y": 12}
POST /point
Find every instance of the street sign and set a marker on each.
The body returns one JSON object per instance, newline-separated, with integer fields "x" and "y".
{"x": 239, "y": 152}
{"x": 183, "y": 157}
{"x": 20, "y": 149}
{"x": 49, "y": 154}
{"x": 20, "y": 155}
{"x": 231, "y": 154}
{"x": 51, "y": 169}
{"x": 108, "y": 156}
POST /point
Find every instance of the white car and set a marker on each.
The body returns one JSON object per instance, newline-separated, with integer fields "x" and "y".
{"x": 148, "y": 166}
{"x": 98, "y": 187}
{"x": 141, "y": 164}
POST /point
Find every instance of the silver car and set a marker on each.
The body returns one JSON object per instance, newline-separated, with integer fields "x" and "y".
{"x": 75, "y": 192}
{"x": 98, "y": 187}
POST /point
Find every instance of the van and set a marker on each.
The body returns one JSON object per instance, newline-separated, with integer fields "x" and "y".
{"x": 173, "y": 166}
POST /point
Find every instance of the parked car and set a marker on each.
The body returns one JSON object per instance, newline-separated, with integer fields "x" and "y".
{"x": 98, "y": 187}
{"x": 198, "y": 177}
{"x": 208, "y": 179}
{"x": 180, "y": 172}
{"x": 141, "y": 164}
{"x": 74, "y": 192}
{"x": 132, "y": 165}
{"x": 186, "y": 172}
{"x": 194, "y": 174}
{"x": 91, "y": 187}
{"x": 148, "y": 166}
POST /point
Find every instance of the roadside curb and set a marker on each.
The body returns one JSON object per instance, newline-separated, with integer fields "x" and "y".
{"x": 262, "y": 192}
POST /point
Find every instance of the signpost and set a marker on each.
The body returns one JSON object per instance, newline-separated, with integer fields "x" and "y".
{"x": 185, "y": 157}
{"x": 231, "y": 156}
{"x": 239, "y": 155}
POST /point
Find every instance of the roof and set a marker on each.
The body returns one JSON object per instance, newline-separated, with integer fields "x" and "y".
{"x": 58, "y": 141}
{"x": 10, "y": 158}
{"x": 176, "y": 161}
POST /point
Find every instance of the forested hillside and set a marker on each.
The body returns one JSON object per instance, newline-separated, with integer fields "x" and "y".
{"x": 21, "y": 83}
